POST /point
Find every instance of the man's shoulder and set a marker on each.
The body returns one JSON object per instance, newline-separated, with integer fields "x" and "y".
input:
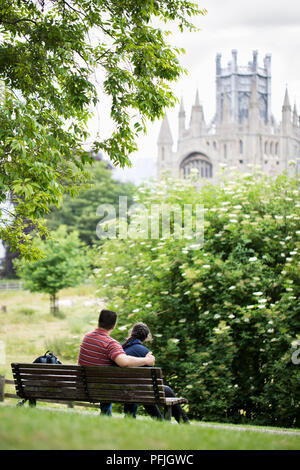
{"x": 97, "y": 336}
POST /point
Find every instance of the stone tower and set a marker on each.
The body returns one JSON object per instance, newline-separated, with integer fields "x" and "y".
{"x": 243, "y": 132}
{"x": 236, "y": 81}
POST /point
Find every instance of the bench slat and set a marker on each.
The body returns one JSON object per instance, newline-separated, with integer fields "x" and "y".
{"x": 120, "y": 398}
{"x": 50, "y": 372}
{"x": 64, "y": 395}
{"x": 46, "y": 384}
{"x": 112, "y": 399}
{"x": 91, "y": 392}
{"x": 175, "y": 401}
{"x": 120, "y": 372}
{"x": 54, "y": 383}
{"x": 32, "y": 365}
{"x": 123, "y": 380}
{"x": 89, "y": 370}
{"x": 112, "y": 380}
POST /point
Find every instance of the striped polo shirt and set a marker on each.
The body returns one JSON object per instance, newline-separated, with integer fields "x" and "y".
{"x": 99, "y": 349}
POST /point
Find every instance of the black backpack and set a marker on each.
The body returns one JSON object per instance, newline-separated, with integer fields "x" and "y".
{"x": 47, "y": 358}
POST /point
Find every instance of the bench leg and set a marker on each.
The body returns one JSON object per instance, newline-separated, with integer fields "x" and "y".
{"x": 2, "y": 385}
{"x": 168, "y": 413}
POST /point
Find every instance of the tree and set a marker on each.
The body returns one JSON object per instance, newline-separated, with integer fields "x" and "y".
{"x": 79, "y": 213}
{"x": 64, "y": 264}
{"x": 49, "y": 53}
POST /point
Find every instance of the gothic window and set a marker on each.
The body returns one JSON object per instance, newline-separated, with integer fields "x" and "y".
{"x": 271, "y": 148}
{"x": 241, "y": 146}
{"x": 162, "y": 154}
{"x": 266, "y": 147}
{"x": 243, "y": 104}
{"x": 225, "y": 151}
{"x": 215, "y": 145}
{"x": 276, "y": 148}
{"x": 198, "y": 161}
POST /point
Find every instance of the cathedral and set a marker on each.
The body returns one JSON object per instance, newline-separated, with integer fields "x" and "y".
{"x": 243, "y": 133}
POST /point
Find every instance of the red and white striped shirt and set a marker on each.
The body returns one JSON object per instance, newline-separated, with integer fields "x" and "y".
{"x": 99, "y": 349}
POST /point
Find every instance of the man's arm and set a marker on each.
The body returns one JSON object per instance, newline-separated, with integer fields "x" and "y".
{"x": 122, "y": 360}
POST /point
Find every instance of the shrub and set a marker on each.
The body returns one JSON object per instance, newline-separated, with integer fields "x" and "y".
{"x": 224, "y": 314}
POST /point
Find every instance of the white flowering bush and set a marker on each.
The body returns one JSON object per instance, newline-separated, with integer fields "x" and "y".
{"x": 224, "y": 314}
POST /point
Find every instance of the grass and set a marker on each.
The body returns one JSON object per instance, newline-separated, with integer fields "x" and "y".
{"x": 37, "y": 429}
{"x": 28, "y": 330}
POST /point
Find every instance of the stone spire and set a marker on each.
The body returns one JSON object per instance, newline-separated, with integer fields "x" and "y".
{"x": 286, "y": 104}
{"x": 286, "y": 113}
{"x": 164, "y": 144}
{"x": 197, "y": 122}
{"x": 165, "y": 136}
{"x": 295, "y": 116}
{"x": 181, "y": 120}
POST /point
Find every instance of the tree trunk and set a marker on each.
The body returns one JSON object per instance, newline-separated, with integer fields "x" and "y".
{"x": 8, "y": 270}
{"x": 53, "y": 304}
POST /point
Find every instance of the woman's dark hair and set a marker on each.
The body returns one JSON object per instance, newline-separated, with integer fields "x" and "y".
{"x": 139, "y": 331}
{"x": 107, "y": 319}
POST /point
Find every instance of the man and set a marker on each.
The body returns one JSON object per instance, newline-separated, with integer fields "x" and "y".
{"x": 99, "y": 349}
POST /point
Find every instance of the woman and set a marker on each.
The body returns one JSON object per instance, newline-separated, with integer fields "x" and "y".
{"x": 133, "y": 346}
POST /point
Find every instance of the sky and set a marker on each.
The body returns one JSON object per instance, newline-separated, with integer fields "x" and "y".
{"x": 268, "y": 26}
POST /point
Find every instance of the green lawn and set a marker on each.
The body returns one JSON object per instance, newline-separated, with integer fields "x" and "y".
{"x": 25, "y": 428}
{"x": 27, "y": 330}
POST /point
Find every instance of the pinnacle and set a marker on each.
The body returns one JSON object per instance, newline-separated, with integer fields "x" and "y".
{"x": 286, "y": 103}
{"x": 165, "y": 135}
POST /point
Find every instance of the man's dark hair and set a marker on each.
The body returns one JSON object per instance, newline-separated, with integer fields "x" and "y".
{"x": 107, "y": 319}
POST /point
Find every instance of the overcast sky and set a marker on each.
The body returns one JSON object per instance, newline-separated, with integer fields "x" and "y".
{"x": 269, "y": 26}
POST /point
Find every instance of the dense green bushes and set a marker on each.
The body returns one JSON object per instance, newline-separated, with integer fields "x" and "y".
{"x": 225, "y": 316}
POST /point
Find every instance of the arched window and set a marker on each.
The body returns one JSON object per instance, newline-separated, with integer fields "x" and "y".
{"x": 266, "y": 147}
{"x": 198, "y": 161}
{"x": 215, "y": 145}
{"x": 276, "y": 148}
{"x": 241, "y": 146}
{"x": 225, "y": 151}
{"x": 271, "y": 148}
{"x": 162, "y": 154}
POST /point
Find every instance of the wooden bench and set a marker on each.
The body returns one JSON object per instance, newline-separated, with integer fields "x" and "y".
{"x": 142, "y": 385}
